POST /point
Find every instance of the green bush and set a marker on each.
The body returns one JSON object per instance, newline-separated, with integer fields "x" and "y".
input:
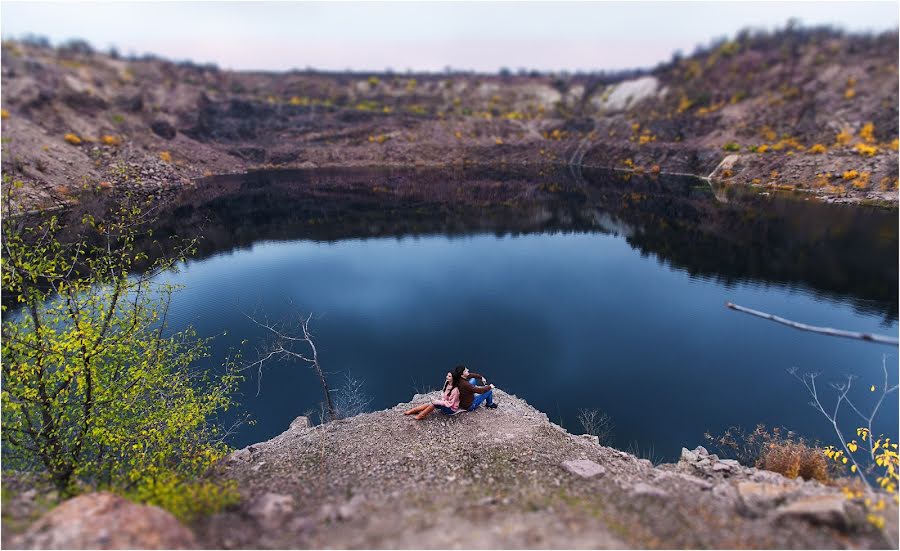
{"x": 96, "y": 393}
{"x": 731, "y": 146}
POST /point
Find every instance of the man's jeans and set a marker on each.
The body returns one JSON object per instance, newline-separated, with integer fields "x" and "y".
{"x": 489, "y": 396}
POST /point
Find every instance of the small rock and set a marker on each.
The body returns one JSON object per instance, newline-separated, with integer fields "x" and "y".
{"x": 163, "y": 129}
{"x": 688, "y": 456}
{"x": 824, "y": 509}
{"x": 584, "y": 468}
{"x": 758, "y": 497}
{"x": 270, "y": 510}
{"x": 239, "y": 456}
{"x": 591, "y": 438}
{"x": 644, "y": 489}
{"x": 301, "y": 422}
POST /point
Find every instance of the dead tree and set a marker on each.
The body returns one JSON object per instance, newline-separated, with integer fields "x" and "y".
{"x": 286, "y": 341}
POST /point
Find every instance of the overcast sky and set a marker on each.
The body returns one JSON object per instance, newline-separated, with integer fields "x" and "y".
{"x": 426, "y": 36}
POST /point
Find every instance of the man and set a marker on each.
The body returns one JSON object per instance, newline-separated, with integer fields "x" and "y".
{"x": 470, "y": 395}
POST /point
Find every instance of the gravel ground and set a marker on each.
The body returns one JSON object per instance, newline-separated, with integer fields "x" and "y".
{"x": 515, "y": 480}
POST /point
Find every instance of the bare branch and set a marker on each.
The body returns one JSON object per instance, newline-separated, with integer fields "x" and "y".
{"x": 282, "y": 346}
{"x": 870, "y": 337}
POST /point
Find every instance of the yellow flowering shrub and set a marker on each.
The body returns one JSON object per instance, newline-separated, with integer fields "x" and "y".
{"x": 4, "y": 114}
{"x": 867, "y": 133}
{"x": 816, "y": 149}
{"x": 684, "y": 104}
{"x": 843, "y": 137}
{"x": 865, "y": 149}
{"x": 107, "y": 139}
{"x": 72, "y": 139}
{"x": 165, "y": 156}
{"x": 849, "y": 174}
{"x": 861, "y": 181}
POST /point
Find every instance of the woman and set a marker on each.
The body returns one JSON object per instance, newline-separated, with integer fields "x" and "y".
{"x": 448, "y": 404}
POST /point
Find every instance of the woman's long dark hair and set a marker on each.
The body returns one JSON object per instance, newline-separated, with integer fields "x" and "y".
{"x": 457, "y": 375}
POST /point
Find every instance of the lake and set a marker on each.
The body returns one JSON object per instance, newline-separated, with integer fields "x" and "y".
{"x": 602, "y": 292}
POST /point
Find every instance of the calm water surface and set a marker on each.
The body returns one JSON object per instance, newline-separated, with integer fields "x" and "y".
{"x": 611, "y": 297}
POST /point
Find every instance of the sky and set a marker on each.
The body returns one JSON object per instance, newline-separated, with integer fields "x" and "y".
{"x": 422, "y": 36}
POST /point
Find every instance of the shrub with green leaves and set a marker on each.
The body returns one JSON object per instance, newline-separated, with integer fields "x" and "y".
{"x": 96, "y": 391}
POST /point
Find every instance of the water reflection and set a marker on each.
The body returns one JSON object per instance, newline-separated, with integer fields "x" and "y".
{"x": 839, "y": 252}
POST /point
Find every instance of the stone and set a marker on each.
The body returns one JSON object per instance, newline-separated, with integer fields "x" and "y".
{"x": 239, "y": 456}
{"x": 270, "y": 510}
{"x": 757, "y": 497}
{"x": 301, "y": 422}
{"x": 691, "y": 479}
{"x": 687, "y": 456}
{"x": 163, "y": 129}
{"x": 822, "y": 509}
{"x": 644, "y": 489}
{"x": 591, "y": 438}
{"x": 106, "y": 521}
{"x": 722, "y": 467}
{"x": 584, "y": 468}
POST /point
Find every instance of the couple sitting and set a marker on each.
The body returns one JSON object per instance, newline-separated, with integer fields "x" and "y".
{"x": 460, "y": 393}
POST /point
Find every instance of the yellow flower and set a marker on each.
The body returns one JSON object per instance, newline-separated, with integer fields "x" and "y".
{"x": 852, "y": 468}
{"x": 872, "y": 388}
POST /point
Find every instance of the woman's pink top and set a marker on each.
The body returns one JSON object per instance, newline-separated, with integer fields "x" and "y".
{"x": 451, "y": 399}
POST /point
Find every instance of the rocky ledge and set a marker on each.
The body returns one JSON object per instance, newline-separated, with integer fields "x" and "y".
{"x": 509, "y": 475}
{"x": 515, "y": 480}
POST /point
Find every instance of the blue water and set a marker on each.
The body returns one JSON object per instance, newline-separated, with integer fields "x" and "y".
{"x": 566, "y": 320}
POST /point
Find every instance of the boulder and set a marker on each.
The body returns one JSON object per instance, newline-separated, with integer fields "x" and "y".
{"x": 584, "y": 468}
{"x": 106, "y": 521}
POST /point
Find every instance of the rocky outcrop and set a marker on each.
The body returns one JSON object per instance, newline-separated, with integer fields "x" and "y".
{"x": 105, "y": 521}
{"x": 383, "y": 479}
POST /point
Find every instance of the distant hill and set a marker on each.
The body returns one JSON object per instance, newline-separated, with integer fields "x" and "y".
{"x": 812, "y": 109}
